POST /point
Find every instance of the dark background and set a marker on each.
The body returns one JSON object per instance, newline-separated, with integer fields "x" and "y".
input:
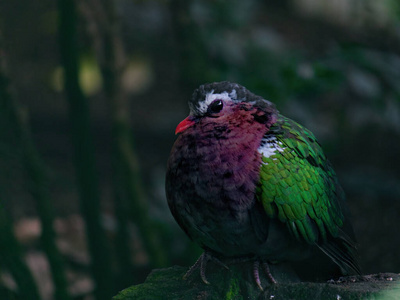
{"x": 332, "y": 66}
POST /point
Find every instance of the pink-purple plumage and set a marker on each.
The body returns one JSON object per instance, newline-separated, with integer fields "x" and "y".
{"x": 213, "y": 182}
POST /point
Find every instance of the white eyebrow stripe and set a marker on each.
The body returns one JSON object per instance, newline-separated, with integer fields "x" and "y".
{"x": 233, "y": 94}
{"x": 210, "y": 97}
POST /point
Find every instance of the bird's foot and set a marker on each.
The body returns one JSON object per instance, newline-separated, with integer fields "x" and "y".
{"x": 256, "y": 273}
{"x": 202, "y": 264}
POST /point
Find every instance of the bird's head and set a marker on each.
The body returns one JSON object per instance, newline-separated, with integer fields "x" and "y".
{"x": 224, "y": 101}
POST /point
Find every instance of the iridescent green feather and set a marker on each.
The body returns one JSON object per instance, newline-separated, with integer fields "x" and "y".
{"x": 298, "y": 185}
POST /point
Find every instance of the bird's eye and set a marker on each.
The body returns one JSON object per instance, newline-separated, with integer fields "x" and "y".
{"x": 216, "y": 106}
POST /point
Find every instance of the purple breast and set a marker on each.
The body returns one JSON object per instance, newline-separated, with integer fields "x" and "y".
{"x": 211, "y": 181}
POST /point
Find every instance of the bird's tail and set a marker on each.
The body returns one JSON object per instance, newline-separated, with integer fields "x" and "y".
{"x": 343, "y": 251}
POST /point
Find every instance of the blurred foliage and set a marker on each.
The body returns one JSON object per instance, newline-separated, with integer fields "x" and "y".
{"x": 89, "y": 76}
{"x": 334, "y": 66}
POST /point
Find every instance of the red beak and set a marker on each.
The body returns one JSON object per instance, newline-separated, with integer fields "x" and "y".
{"x": 185, "y": 124}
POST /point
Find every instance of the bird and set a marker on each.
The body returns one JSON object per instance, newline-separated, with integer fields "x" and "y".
{"x": 247, "y": 183}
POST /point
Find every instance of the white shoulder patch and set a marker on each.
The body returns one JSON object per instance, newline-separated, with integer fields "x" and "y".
{"x": 270, "y": 146}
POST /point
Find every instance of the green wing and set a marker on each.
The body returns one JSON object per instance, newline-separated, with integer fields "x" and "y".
{"x": 298, "y": 184}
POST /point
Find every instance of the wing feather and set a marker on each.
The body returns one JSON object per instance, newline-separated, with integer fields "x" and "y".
{"x": 299, "y": 187}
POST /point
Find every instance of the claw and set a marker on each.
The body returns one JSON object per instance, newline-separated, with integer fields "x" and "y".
{"x": 202, "y": 264}
{"x": 194, "y": 267}
{"x": 218, "y": 261}
{"x": 268, "y": 272}
{"x": 206, "y": 256}
{"x": 256, "y": 273}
